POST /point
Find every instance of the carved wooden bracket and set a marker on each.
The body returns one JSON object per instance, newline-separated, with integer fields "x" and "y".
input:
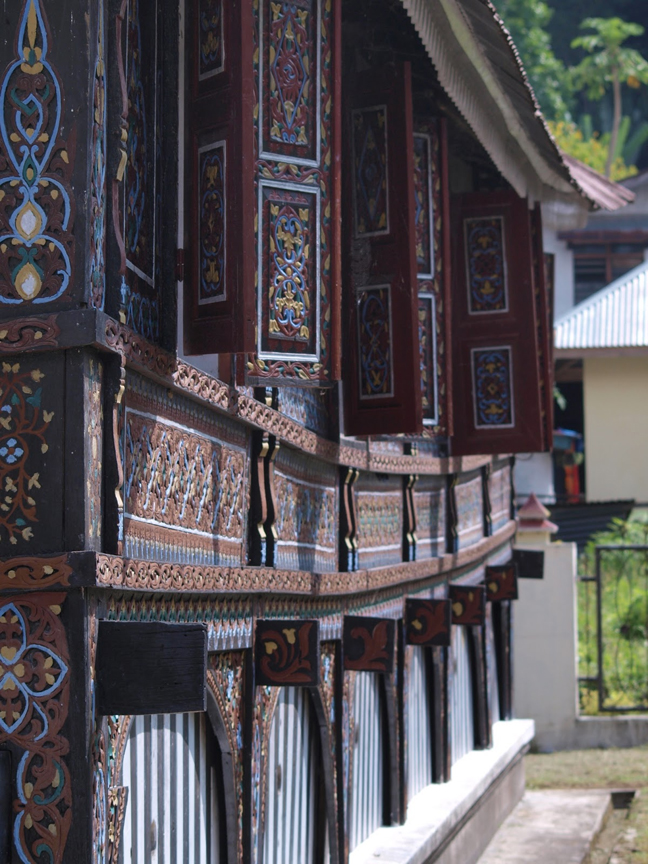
{"x": 348, "y": 534}
{"x": 287, "y": 653}
{"x": 488, "y": 510}
{"x": 427, "y": 622}
{"x": 452, "y": 530}
{"x": 368, "y": 643}
{"x": 409, "y": 521}
{"x": 501, "y": 582}
{"x": 468, "y": 604}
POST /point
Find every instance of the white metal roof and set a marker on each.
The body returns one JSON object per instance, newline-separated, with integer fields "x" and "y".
{"x": 614, "y": 317}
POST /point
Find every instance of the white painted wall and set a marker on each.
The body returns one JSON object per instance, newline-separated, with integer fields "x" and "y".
{"x": 533, "y": 472}
{"x": 615, "y": 394}
{"x": 563, "y": 272}
{"x": 545, "y": 686}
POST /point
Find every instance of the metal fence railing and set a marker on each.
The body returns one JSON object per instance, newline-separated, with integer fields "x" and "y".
{"x": 613, "y": 631}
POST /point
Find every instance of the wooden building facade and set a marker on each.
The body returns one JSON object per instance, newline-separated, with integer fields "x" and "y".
{"x": 273, "y": 322}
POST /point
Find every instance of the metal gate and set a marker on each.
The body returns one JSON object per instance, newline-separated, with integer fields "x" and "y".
{"x": 173, "y": 813}
{"x": 613, "y": 631}
{"x": 462, "y": 728}
{"x": 419, "y": 721}
{"x": 293, "y": 774}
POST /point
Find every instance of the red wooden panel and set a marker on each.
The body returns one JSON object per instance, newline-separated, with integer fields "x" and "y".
{"x": 501, "y": 582}
{"x": 219, "y": 217}
{"x": 381, "y": 344}
{"x": 432, "y": 218}
{"x": 297, "y": 176}
{"x": 468, "y": 604}
{"x": 287, "y": 653}
{"x": 496, "y": 365}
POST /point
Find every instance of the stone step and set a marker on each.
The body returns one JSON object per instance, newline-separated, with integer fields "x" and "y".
{"x": 550, "y": 827}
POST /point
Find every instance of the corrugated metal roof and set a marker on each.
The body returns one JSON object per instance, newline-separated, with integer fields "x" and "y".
{"x": 480, "y": 68}
{"x": 614, "y": 317}
{"x": 607, "y": 194}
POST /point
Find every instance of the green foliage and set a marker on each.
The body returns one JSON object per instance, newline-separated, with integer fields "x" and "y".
{"x": 593, "y": 151}
{"x": 635, "y": 143}
{"x": 607, "y": 60}
{"x": 528, "y": 21}
{"x": 624, "y": 615}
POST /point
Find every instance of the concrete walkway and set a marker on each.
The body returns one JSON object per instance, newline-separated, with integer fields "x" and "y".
{"x": 550, "y": 827}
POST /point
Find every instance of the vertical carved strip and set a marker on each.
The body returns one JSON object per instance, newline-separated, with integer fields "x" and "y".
{"x": 258, "y": 500}
{"x": 486, "y": 500}
{"x": 409, "y": 523}
{"x": 35, "y": 699}
{"x": 271, "y": 500}
{"x": 36, "y": 199}
{"x": 452, "y": 535}
{"x": 348, "y": 542}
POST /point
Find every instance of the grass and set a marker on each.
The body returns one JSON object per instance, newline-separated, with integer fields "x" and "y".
{"x": 601, "y": 769}
{"x": 588, "y": 769}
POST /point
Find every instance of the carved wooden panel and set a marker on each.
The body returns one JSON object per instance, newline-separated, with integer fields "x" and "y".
{"x": 379, "y": 503}
{"x": 470, "y": 511}
{"x": 287, "y": 653}
{"x": 296, "y": 60}
{"x": 368, "y": 643}
{"x": 501, "y": 582}
{"x": 427, "y": 622}
{"x": 468, "y": 604}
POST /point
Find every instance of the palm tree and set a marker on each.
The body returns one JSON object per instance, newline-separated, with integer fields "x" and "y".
{"x": 609, "y": 63}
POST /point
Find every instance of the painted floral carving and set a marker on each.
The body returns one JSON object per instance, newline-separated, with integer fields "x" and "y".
{"x": 26, "y": 573}
{"x": 287, "y": 652}
{"x": 36, "y": 205}
{"x": 428, "y": 622}
{"x": 34, "y": 700}
{"x": 468, "y": 604}
{"x": 368, "y": 644}
{"x": 98, "y": 175}
{"x": 501, "y": 582}
{"x": 23, "y": 431}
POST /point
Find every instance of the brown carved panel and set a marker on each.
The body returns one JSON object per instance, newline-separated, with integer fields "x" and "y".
{"x": 468, "y": 604}
{"x": 368, "y": 643}
{"x": 501, "y": 582}
{"x": 287, "y": 653}
{"x": 427, "y": 621}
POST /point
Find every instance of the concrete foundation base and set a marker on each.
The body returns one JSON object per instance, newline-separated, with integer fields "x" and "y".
{"x": 452, "y": 823}
{"x": 586, "y": 733}
{"x": 550, "y": 826}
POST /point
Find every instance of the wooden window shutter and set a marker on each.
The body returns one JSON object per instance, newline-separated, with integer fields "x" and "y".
{"x": 432, "y": 218}
{"x": 219, "y": 180}
{"x": 497, "y": 375}
{"x": 382, "y": 372}
{"x": 297, "y": 175}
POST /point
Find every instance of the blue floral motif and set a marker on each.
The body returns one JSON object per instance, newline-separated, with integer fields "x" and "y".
{"x": 11, "y": 452}
{"x": 36, "y": 207}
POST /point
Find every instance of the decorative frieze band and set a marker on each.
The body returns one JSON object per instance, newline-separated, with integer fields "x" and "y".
{"x": 93, "y": 327}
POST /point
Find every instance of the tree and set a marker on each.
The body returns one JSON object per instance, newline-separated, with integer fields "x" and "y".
{"x": 608, "y": 62}
{"x": 592, "y": 149}
{"x": 527, "y": 21}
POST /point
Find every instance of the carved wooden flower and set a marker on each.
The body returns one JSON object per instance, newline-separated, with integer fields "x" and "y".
{"x": 28, "y": 673}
